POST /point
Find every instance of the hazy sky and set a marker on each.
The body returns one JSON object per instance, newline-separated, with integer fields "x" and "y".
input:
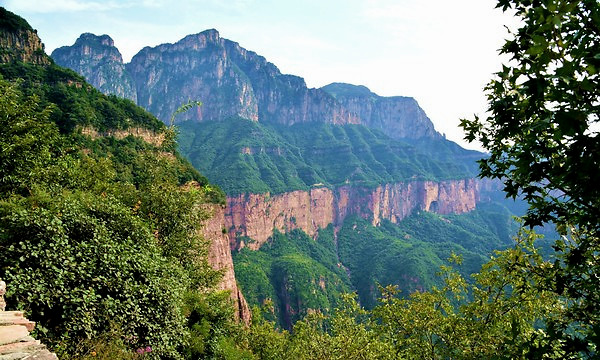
{"x": 441, "y": 52}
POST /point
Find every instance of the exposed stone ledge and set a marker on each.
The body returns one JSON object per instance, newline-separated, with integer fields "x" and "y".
{"x": 148, "y": 136}
{"x": 15, "y": 341}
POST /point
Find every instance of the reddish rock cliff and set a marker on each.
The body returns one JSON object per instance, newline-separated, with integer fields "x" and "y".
{"x": 219, "y": 256}
{"x": 256, "y": 215}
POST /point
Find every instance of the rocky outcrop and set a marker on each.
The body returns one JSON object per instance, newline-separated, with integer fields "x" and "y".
{"x": 219, "y": 257}
{"x": 15, "y": 341}
{"x": 148, "y": 136}
{"x": 19, "y": 42}
{"x": 98, "y": 60}
{"x": 398, "y": 116}
{"x": 254, "y": 216}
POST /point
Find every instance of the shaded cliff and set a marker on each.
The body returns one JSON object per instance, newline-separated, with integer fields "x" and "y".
{"x": 98, "y": 60}
{"x": 398, "y": 116}
{"x": 255, "y": 216}
{"x": 285, "y": 99}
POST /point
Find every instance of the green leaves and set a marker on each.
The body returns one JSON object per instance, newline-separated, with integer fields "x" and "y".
{"x": 543, "y": 141}
{"x": 96, "y": 232}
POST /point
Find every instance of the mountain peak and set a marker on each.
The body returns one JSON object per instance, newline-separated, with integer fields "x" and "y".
{"x": 100, "y": 62}
{"x": 104, "y": 40}
{"x": 198, "y": 41}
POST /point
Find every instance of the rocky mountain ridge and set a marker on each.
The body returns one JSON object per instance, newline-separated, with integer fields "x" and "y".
{"x": 231, "y": 81}
{"x": 100, "y": 62}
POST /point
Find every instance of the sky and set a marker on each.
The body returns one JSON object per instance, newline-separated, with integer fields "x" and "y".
{"x": 440, "y": 52}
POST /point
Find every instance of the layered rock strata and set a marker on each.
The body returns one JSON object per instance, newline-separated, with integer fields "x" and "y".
{"x": 254, "y": 216}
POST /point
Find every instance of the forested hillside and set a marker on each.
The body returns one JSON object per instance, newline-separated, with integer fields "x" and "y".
{"x": 99, "y": 237}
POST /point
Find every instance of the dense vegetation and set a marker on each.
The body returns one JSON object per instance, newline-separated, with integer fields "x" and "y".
{"x": 543, "y": 138}
{"x": 294, "y": 274}
{"x": 67, "y": 198}
{"x": 245, "y": 156}
{"x": 99, "y": 236}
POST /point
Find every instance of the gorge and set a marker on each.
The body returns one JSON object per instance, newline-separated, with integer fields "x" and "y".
{"x": 295, "y": 159}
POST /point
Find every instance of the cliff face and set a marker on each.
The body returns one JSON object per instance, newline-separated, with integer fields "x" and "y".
{"x": 19, "y": 42}
{"x": 219, "y": 257}
{"x": 398, "y": 116}
{"x": 285, "y": 99}
{"x": 98, "y": 60}
{"x": 195, "y": 68}
{"x": 229, "y": 80}
{"x": 256, "y": 215}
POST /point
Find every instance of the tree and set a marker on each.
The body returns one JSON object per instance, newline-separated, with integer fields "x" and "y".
{"x": 542, "y": 135}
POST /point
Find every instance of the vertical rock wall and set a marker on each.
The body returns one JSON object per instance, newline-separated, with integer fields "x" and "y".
{"x": 256, "y": 215}
{"x": 219, "y": 257}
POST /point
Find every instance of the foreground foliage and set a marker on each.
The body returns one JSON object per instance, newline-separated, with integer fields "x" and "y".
{"x": 99, "y": 239}
{"x": 542, "y": 134}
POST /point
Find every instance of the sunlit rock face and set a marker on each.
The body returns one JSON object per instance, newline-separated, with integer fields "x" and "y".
{"x": 98, "y": 60}
{"x": 255, "y": 216}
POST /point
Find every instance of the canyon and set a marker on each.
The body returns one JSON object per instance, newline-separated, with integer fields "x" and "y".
{"x": 289, "y": 157}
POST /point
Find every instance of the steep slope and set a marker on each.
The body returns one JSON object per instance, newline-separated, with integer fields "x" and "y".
{"x": 399, "y": 116}
{"x": 98, "y": 60}
{"x": 99, "y": 214}
{"x": 18, "y": 40}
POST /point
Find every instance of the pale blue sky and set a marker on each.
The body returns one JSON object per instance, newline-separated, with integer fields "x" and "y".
{"x": 440, "y": 52}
